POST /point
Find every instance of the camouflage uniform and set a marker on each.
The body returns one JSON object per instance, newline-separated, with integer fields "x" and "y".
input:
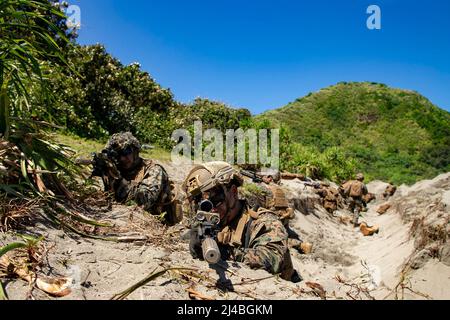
{"x": 263, "y": 243}
{"x": 355, "y": 205}
{"x": 273, "y": 198}
{"x": 355, "y": 200}
{"x": 270, "y": 196}
{"x": 257, "y": 239}
{"x": 146, "y": 182}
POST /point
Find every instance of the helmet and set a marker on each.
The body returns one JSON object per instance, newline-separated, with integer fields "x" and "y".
{"x": 275, "y": 174}
{"x": 360, "y": 177}
{"x": 324, "y": 183}
{"x": 121, "y": 141}
{"x": 209, "y": 175}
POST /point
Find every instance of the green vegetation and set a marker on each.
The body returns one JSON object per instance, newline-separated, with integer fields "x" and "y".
{"x": 52, "y": 89}
{"x": 31, "y": 42}
{"x": 391, "y": 134}
{"x": 34, "y": 40}
{"x": 101, "y": 97}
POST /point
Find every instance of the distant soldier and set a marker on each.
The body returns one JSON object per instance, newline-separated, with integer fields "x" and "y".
{"x": 255, "y": 237}
{"x": 389, "y": 191}
{"x": 330, "y": 197}
{"x": 130, "y": 177}
{"x": 369, "y": 197}
{"x": 355, "y": 190}
{"x": 276, "y": 199}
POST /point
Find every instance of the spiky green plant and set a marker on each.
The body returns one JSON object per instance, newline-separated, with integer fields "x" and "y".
{"x": 32, "y": 34}
{"x": 28, "y": 41}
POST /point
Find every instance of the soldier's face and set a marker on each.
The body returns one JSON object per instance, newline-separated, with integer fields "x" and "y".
{"x": 126, "y": 162}
{"x": 267, "y": 179}
{"x": 217, "y": 197}
{"x": 223, "y": 203}
{"x": 126, "y": 159}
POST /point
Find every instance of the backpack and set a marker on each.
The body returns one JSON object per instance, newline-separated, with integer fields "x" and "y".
{"x": 279, "y": 203}
{"x": 271, "y": 197}
{"x": 356, "y": 189}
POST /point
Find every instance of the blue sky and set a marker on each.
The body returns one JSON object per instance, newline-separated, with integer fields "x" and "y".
{"x": 263, "y": 54}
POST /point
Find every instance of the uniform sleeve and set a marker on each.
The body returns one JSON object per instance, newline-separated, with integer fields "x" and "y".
{"x": 365, "y": 191}
{"x": 149, "y": 190}
{"x": 268, "y": 244}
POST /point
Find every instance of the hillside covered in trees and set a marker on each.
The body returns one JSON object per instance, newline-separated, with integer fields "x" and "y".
{"x": 393, "y": 134}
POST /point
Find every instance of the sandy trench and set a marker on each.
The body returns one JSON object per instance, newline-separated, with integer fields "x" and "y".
{"x": 344, "y": 263}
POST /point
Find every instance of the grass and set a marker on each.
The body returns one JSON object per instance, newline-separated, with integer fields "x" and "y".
{"x": 82, "y": 147}
{"x": 153, "y": 275}
{"x": 251, "y": 188}
{"x": 85, "y": 147}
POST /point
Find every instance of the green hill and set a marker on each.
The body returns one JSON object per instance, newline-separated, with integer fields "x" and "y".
{"x": 393, "y": 134}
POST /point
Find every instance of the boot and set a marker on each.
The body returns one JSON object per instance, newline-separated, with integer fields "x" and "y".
{"x": 301, "y": 247}
{"x": 306, "y": 247}
{"x": 296, "y": 277}
{"x": 292, "y": 234}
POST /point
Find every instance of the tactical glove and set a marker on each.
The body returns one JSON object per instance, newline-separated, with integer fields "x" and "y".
{"x": 124, "y": 189}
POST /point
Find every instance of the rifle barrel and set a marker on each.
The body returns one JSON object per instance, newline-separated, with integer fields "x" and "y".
{"x": 211, "y": 252}
{"x": 83, "y": 162}
{"x": 252, "y": 175}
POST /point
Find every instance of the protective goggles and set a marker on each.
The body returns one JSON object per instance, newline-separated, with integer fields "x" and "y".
{"x": 126, "y": 152}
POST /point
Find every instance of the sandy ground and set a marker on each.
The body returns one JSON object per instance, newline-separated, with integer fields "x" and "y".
{"x": 344, "y": 263}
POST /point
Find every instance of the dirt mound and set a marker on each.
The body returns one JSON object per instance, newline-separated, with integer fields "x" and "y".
{"x": 426, "y": 206}
{"x": 417, "y": 235}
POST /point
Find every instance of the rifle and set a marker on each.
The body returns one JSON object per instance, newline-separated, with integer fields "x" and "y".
{"x": 104, "y": 166}
{"x": 207, "y": 225}
{"x": 310, "y": 183}
{"x": 305, "y": 180}
{"x": 252, "y": 175}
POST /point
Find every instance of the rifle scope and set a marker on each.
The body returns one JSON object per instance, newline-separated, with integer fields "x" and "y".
{"x": 210, "y": 222}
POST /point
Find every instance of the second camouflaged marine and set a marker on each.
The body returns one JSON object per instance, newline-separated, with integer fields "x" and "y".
{"x": 144, "y": 181}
